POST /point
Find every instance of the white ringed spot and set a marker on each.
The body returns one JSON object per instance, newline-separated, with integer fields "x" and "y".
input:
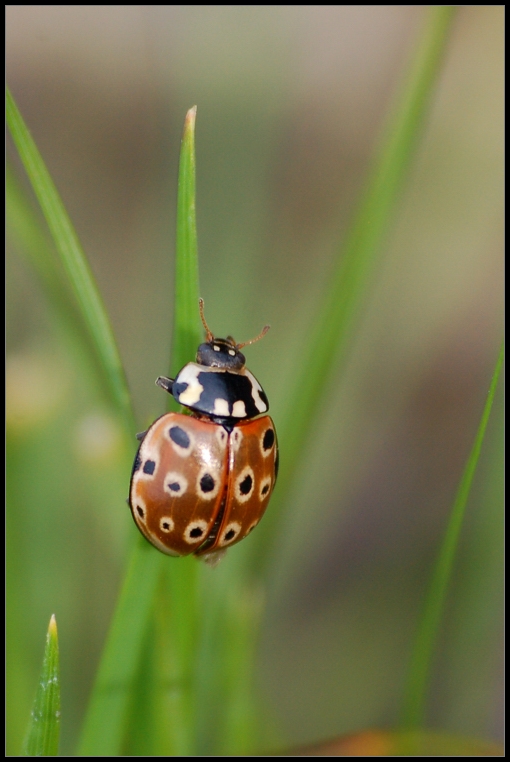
{"x": 244, "y": 484}
{"x": 230, "y": 533}
{"x": 166, "y": 524}
{"x": 180, "y": 438}
{"x": 265, "y": 488}
{"x": 195, "y": 532}
{"x": 176, "y": 484}
{"x": 208, "y": 483}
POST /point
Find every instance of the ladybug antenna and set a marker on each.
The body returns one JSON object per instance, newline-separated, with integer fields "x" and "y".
{"x": 257, "y": 338}
{"x": 210, "y": 335}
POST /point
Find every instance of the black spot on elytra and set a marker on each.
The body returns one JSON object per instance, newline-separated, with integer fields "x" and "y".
{"x": 166, "y": 525}
{"x": 149, "y": 466}
{"x": 246, "y": 485}
{"x": 207, "y": 483}
{"x": 196, "y": 532}
{"x": 140, "y": 511}
{"x": 230, "y": 535}
{"x": 268, "y": 440}
{"x": 179, "y": 436}
{"x": 265, "y": 490}
{"x": 174, "y": 486}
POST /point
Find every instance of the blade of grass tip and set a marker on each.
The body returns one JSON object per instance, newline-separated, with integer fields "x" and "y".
{"x": 348, "y": 284}
{"x": 187, "y": 329}
{"x": 107, "y": 715}
{"x": 44, "y": 728}
{"x": 419, "y": 673}
{"x": 74, "y": 262}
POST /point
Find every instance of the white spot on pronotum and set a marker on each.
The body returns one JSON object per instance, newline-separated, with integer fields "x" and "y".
{"x": 189, "y": 375}
{"x": 239, "y": 409}
{"x": 195, "y": 532}
{"x": 221, "y": 407}
{"x": 231, "y": 352}
{"x": 255, "y": 391}
{"x": 216, "y": 348}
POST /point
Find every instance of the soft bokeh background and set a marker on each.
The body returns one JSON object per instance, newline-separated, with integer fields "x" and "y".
{"x": 291, "y": 100}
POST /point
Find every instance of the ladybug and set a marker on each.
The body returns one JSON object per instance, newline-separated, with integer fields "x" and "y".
{"x": 202, "y": 479}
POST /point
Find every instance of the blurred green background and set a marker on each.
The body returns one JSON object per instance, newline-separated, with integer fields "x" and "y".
{"x": 291, "y": 100}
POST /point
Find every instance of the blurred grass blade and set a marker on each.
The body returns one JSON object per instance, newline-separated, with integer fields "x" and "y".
{"x": 118, "y": 678}
{"x": 348, "y": 283}
{"x": 73, "y": 260}
{"x": 44, "y": 728}
{"x": 419, "y": 672}
{"x": 24, "y": 230}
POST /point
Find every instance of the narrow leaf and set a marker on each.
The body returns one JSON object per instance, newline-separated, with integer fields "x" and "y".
{"x": 419, "y": 673}
{"x": 327, "y": 340}
{"x": 73, "y": 260}
{"x": 44, "y": 728}
{"x": 108, "y": 712}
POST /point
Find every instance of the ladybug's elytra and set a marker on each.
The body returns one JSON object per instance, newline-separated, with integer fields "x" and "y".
{"x": 202, "y": 481}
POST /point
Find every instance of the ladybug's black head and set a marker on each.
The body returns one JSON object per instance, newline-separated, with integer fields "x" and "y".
{"x": 222, "y": 353}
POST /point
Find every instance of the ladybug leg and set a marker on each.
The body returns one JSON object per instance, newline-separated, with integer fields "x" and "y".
{"x": 165, "y": 383}
{"x": 141, "y": 435}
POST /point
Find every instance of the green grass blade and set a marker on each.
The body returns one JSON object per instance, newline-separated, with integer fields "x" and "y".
{"x": 419, "y": 672}
{"x": 24, "y": 230}
{"x": 348, "y": 284}
{"x": 44, "y": 728}
{"x": 112, "y": 698}
{"x": 73, "y": 261}
{"x": 105, "y": 723}
{"x": 187, "y": 330}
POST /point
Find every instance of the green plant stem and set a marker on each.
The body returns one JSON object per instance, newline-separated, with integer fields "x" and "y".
{"x": 413, "y": 715}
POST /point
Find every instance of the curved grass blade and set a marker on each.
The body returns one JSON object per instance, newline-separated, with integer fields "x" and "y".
{"x": 107, "y": 717}
{"x": 348, "y": 284}
{"x": 428, "y": 628}
{"x": 74, "y": 262}
{"x": 44, "y": 728}
{"x": 25, "y": 232}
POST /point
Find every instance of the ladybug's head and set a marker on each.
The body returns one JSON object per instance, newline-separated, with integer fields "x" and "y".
{"x": 222, "y": 353}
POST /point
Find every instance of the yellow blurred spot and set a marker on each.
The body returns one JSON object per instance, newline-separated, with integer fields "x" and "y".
{"x": 97, "y": 438}
{"x": 34, "y": 389}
